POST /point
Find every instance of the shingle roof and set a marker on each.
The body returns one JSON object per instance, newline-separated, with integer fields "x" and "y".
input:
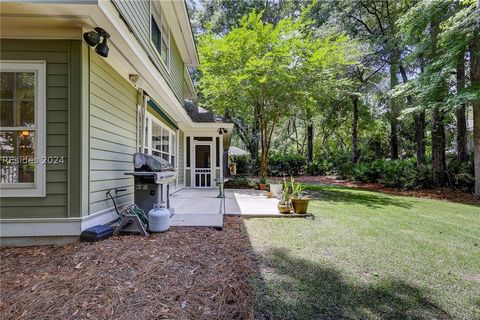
{"x": 236, "y": 151}
{"x": 199, "y": 114}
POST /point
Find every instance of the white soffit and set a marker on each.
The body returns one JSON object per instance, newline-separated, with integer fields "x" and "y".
{"x": 179, "y": 22}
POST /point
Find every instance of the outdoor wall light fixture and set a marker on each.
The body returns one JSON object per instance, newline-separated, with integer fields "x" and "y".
{"x": 222, "y": 131}
{"x": 134, "y": 77}
{"x": 97, "y": 39}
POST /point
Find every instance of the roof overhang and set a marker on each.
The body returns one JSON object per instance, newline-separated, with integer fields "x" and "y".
{"x": 177, "y": 18}
{"x": 69, "y": 19}
{"x": 190, "y": 92}
{"x": 30, "y": 20}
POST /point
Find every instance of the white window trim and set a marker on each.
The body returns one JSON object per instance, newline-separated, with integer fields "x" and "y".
{"x": 38, "y": 188}
{"x": 155, "y": 14}
{"x": 150, "y": 118}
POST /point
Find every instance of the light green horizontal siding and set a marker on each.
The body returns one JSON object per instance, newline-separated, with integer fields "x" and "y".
{"x": 137, "y": 16}
{"x": 63, "y": 59}
{"x": 113, "y": 136}
{"x": 176, "y": 76}
{"x": 181, "y": 157}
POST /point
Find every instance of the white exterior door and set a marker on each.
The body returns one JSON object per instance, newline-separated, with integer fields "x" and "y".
{"x": 203, "y": 165}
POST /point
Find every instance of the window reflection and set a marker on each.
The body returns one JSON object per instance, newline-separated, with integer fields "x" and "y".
{"x": 17, "y": 163}
{"x": 17, "y": 127}
{"x": 162, "y": 141}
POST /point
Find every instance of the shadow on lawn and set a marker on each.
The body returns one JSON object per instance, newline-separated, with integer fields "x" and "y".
{"x": 300, "y": 289}
{"x": 367, "y": 199}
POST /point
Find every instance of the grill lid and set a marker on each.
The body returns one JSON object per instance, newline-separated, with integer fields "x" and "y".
{"x": 150, "y": 163}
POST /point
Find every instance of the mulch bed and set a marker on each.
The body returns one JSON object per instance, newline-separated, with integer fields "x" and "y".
{"x": 185, "y": 273}
{"x": 438, "y": 193}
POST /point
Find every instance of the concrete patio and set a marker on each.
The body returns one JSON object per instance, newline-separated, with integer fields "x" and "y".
{"x": 197, "y": 208}
{"x": 201, "y": 207}
{"x": 253, "y": 204}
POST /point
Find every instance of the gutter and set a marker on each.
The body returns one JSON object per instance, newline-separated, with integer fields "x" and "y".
{"x": 129, "y": 47}
{"x": 162, "y": 113}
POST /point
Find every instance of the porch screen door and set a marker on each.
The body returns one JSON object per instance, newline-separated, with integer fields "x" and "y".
{"x": 203, "y": 166}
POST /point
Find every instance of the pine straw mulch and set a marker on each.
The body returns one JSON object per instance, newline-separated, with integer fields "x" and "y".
{"x": 185, "y": 273}
{"x": 438, "y": 193}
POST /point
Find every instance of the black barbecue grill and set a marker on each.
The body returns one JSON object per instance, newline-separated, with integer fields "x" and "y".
{"x": 150, "y": 174}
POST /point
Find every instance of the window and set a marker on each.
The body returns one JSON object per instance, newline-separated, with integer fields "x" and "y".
{"x": 159, "y": 32}
{"x": 160, "y": 140}
{"x": 22, "y": 129}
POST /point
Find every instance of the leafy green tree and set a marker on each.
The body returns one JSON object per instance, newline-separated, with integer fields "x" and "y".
{"x": 438, "y": 34}
{"x": 257, "y": 71}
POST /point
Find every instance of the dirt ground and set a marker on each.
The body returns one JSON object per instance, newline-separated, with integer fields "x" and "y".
{"x": 185, "y": 273}
{"x": 439, "y": 193}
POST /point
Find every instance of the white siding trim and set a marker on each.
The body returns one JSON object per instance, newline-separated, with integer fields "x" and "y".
{"x": 38, "y": 227}
{"x": 104, "y": 216}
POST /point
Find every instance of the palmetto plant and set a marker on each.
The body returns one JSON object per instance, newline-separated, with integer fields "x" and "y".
{"x": 297, "y": 189}
{"x": 285, "y": 199}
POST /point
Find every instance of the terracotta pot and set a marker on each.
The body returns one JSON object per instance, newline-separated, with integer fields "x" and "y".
{"x": 262, "y": 186}
{"x": 300, "y": 206}
{"x": 284, "y": 208}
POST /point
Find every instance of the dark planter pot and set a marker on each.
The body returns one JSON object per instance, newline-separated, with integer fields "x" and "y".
{"x": 300, "y": 206}
{"x": 284, "y": 209}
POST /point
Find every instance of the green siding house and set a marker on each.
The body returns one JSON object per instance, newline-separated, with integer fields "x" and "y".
{"x": 71, "y": 119}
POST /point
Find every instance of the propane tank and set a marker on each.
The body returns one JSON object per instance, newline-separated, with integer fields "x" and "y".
{"x": 159, "y": 218}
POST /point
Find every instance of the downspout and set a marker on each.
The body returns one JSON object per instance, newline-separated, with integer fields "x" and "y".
{"x": 145, "y": 99}
{"x": 177, "y": 145}
{"x": 140, "y": 119}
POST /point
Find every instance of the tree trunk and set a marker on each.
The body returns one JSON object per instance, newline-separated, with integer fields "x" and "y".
{"x": 438, "y": 148}
{"x": 393, "y": 108}
{"x": 475, "y": 82}
{"x": 255, "y": 146}
{"x": 462, "y": 151}
{"x": 249, "y": 137}
{"x": 263, "y": 154}
{"x": 309, "y": 142}
{"x": 438, "y": 117}
{"x": 355, "y": 130}
{"x": 419, "y": 123}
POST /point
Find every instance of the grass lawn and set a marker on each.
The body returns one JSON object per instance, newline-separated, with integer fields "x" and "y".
{"x": 369, "y": 255}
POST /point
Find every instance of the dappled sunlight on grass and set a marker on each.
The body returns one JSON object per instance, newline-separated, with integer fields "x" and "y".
{"x": 304, "y": 289}
{"x": 349, "y": 196}
{"x": 368, "y": 255}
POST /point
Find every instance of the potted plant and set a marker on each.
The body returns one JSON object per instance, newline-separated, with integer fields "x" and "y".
{"x": 299, "y": 201}
{"x": 262, "y": 185}
{"x": 276, "y": 188}
{"x": 284, "y": 205}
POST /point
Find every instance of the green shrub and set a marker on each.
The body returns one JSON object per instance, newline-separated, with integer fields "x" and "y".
{"x": 280, "y": 164}
{"x": 402, "y": 174}
{"x": 239, "y": 182}
{"x": 460, "y": 174}
{"x": 398, "y": 174}
{"x": 244, "y": 165}
{"x": 319, "y": 167}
